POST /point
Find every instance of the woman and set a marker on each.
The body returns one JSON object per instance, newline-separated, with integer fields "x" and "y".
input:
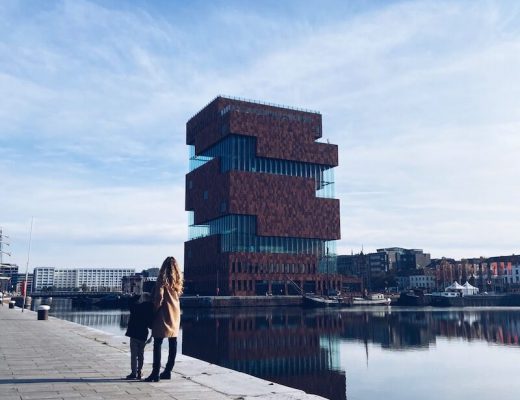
{"x": 168, "y": 289}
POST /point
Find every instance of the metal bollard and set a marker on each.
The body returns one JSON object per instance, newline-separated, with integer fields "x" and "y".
{"x": 12, "y": 303}
{"x": 43, "y": 313}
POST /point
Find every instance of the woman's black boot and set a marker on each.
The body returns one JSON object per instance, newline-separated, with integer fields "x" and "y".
{"x": 153, "y": 377}
{"x": 172, "y": 352}
{"x": 165, "y": 375}
{"x": 156, "y": 366}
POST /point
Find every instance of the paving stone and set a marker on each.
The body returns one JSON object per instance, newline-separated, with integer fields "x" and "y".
{"x": 63, "y": 360}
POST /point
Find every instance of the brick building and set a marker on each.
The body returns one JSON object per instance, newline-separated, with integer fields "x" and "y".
{"x": 263, "y": 217}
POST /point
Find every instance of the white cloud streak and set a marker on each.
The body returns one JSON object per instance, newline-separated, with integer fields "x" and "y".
{"x": 422, "y": 98}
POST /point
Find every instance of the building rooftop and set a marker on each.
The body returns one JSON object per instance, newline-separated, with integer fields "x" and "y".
{"x": 262, "y": 103}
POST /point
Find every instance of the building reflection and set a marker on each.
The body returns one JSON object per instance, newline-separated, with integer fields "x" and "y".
{"x": 494, "y": 327}
{"x": 390, "y": 330}
{"x": 419, "y": 329}
{"x": 301, "y": 348}
{"x": 293, "y": 348}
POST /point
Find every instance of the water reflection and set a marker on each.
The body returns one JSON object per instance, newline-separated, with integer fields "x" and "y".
{"x": 293, "y": 348}
{"x": 112, "y": 321}
{"x": 302, "y": 348}
{"x": 419, "y": 329}
{"x": 326, "y": 352}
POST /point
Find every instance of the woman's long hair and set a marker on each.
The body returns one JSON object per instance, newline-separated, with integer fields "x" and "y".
{"x": 170, "y": 275}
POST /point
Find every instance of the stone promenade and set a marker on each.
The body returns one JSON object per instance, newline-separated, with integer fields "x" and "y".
{"x": 57, "y": 359}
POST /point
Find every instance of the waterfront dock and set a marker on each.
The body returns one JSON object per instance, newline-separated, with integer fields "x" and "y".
{"x": 57, "y": 359}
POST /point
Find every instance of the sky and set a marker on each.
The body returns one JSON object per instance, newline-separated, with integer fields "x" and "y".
{"x": 422, "y": 98}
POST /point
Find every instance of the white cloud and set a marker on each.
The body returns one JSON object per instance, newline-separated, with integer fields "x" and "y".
{"x": 420, "y": 96}
{"x": 77, "y": 223}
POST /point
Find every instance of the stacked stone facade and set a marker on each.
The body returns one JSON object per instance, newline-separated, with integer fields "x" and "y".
{"x": 284, "y": 205}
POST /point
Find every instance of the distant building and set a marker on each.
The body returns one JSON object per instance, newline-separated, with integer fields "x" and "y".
{"x": 491, "y": 274}
{"x": 392, "y": 255}
{"x": 150, "y": 277}
{"x": 133, "y": 284}
{"x": 512, "y": 279}
{"x": 352, "y": 268}
{"x": 20, "y": 283}
{"x": 151, "y": 274}
{"x": 400, "y": 259}
{"x": 9, "y": 271}
{"x": 378, "y": 263}
{"x": 403, "y": 282}
{"x": 140, "y": 282}
{"x": 353, "y": 264}
{"x": 91, "y": 279}
{"x": 426, "y": 282}
{"x": 5, "y": 284}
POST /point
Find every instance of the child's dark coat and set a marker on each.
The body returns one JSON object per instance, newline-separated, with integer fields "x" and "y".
{"x": 141, "y": 317}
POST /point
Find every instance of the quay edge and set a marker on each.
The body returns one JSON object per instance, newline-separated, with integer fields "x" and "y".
{"x": 80, "y": 361}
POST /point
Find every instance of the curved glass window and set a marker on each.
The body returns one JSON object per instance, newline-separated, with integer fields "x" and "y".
{"x": 238, "y": 234}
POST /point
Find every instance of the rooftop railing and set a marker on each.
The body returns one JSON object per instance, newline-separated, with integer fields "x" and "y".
{"x": 263, "y": 103}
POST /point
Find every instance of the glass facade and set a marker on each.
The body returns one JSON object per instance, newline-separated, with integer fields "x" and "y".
{"x": 238, "y": 153}
{"x": 238, "y": 234}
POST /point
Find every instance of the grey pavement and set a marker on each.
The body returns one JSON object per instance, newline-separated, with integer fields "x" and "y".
{"x": 57, "y": 359}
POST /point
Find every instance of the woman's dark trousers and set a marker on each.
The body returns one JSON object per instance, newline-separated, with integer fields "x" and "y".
{"x": 172, "y": 352}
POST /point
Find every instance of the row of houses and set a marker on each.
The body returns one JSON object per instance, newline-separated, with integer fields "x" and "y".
{"x": 412, "y": 268}
{"x": 394, "y": 267}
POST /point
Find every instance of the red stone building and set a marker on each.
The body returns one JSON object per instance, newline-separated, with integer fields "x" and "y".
{"x": 260, "y": 195}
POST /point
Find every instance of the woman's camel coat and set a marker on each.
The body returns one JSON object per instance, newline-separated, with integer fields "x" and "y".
{"x": 168, "y": 312}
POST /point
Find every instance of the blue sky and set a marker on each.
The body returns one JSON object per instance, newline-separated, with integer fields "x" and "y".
{"x": 422, "y": 97}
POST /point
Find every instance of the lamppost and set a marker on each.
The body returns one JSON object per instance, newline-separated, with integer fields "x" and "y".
{"x": 27, "y": 265}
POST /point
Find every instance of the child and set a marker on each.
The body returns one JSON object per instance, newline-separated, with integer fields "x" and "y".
{"x": 141, "y": 317}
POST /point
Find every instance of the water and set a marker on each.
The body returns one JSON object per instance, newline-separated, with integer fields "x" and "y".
{"x": 359, "y": 354}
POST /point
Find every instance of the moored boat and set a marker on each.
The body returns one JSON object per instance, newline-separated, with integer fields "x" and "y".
{"x": 414, "y": 298}
{"x": 312, "y": 300}
{"x": 376, "y": 299}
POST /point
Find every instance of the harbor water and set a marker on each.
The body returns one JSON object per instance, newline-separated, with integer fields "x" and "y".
{"x": 354, "y": 353}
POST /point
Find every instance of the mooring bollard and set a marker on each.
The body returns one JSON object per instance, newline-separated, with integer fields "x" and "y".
{"x": 12, "y": 303}
{"x": 28, "y": 302}
{"x": 43, "y": 313}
